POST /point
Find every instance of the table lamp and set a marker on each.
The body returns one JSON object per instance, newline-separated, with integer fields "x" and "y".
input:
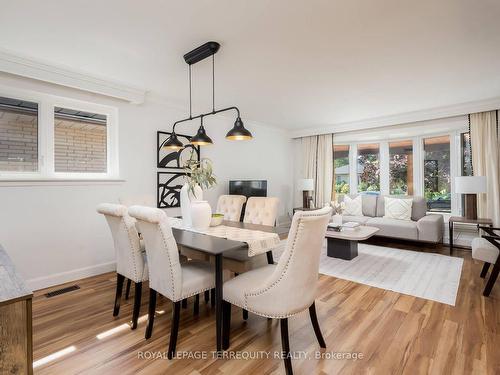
{"x": 305, "y": 185}
{"x": 470, "y": 186}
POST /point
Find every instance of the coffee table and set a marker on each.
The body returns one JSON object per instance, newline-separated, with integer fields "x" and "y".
{"x": 344, "y": 244}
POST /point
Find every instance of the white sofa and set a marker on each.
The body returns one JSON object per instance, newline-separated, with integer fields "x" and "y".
{"x": 421, "y": 227}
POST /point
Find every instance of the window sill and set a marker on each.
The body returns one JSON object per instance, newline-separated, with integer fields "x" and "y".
{"x": 59, "y": 181}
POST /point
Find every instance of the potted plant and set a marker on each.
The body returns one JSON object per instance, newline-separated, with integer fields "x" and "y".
{"x": 195, "y": 211}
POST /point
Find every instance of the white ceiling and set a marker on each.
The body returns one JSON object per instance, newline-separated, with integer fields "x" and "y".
{"x": 293, "y": 64}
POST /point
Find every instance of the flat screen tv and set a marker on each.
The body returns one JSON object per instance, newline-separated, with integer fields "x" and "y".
{"x": 248, "y": 188}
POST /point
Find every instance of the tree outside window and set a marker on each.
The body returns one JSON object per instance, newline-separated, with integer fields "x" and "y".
{"x": 437, "y": 179}
{"x": 401, "y": 168}
{"x": 368, "y": 168}
{"x": 341, "y": 170}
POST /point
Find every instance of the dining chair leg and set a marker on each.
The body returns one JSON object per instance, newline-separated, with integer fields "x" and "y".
{"x": 207, "y": 296}
{"x": 226, "y": 324}
{"x": 196, "y": 308}
{"x": 484, "y": 271}
{"x": 492, "y": 279}
{"x": 119, "y": 289}
{"x": 174, "y": 330}
{"x": 151, "y": 312}
{"x": 137, "y": 304}
{"x": 285, "y": 346}
{"x": 314, "y": 321}
{"x": 245, "y": 314}
{"x": 212, "y": 297}
{"x": 127, "y": 290}
{"x": 184, "y": 303}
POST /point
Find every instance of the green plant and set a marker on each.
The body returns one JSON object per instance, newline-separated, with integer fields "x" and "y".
{"x": 199, "y": 173}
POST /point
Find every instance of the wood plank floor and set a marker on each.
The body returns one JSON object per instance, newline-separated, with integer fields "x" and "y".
{"x": 396, "y": 334}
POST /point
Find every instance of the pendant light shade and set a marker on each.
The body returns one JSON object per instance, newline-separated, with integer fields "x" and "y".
{"x": 238, "y": 132}
{"x": 173, "y": 143}
{"x": 201, "y": 138}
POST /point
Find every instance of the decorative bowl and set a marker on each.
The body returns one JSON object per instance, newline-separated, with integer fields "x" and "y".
{"x": 217, "y": 219}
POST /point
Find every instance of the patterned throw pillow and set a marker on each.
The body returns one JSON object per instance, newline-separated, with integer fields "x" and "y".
{"x": 397, "y": 208}
{"x": 353, "y": 207}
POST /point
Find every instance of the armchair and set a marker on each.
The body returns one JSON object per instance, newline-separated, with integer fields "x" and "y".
{"x": 487, "y": 249}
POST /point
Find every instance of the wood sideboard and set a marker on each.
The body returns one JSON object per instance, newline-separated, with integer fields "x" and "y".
{"x": 16, "y": 335}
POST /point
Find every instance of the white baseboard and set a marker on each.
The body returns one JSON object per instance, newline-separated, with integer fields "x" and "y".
{"x": 64, "y": 277}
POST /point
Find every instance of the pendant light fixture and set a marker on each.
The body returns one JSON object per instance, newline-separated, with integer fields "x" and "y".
{"x": 201, "y": 138}
{"x": 237, "y": 133}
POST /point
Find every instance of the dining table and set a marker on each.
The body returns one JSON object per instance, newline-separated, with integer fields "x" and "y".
{"x": 216, "y": 247}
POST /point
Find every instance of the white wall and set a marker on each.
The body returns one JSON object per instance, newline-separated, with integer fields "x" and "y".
{"x": 52, "y": 231}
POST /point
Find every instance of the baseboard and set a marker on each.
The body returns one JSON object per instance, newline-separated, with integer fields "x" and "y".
{"x": 64, "y": 277}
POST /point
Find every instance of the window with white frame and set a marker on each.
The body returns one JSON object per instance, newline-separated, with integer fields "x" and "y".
{"x": 47, "y": 137}
{"x": 411, "y": 165}
{"x": 437, "y": 173}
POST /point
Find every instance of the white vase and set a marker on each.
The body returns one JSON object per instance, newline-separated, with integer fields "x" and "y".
{"x": 201, "y": 215}
{"x": 337, "y": 219}
{"x": 186, "y": 198}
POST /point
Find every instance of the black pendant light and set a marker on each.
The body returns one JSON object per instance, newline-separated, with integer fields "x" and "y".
{"x": 173, "y": 143}
{"x": 201, "y": 138}
{"x": 238, "y": 132}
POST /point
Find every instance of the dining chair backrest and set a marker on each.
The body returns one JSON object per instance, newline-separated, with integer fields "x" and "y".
{"x": 231, "y": 206}
{"x": 292, "y": 286}
{"x": 165, "y": 274}
{"x": 129, "y": 258}
{"x": 261, "y": 210}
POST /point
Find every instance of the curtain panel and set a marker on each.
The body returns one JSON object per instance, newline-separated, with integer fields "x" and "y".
{"x": 485, "y": 143}
{"x": 317, "y": 163}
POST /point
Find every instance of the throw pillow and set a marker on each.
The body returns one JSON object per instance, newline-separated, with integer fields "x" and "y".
{"x": 397, "y": 208}
{"x": 353, "y": 207}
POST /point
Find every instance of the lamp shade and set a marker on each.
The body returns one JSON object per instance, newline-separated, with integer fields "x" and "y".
{"x": 201, "y": 138}
{"x": 173, "y": 143}
{"x": 305, "y": 184}
{"x": 238, "y": 132}
{"x": 470, "y": 184}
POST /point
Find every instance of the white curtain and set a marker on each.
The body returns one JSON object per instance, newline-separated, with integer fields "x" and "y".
{"x": 485, "y": 143}
{"x": 317, "y": 159}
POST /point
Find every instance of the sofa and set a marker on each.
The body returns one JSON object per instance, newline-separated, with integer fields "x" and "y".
{"x": 422, "y": 226}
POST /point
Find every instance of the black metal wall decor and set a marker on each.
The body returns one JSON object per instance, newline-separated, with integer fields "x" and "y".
{"x": 168, "y": 192}
{"x": 167, "y": 158}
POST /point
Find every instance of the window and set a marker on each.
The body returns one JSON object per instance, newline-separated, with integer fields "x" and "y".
{"x": 466, "y": 154}
{"x": 80, "y": 141}
{"x": 18, "y": 135}
{"x": 437, "y": 173}
{"x": 368, "y": 168}
{"x": 401, "y": 168}
{"x": 341, "y": 169}
{"x": 45, "y": 137}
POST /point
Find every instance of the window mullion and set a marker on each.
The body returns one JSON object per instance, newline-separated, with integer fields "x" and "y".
{"x": 384, "y": 167}
{"x": 47, "y": 139}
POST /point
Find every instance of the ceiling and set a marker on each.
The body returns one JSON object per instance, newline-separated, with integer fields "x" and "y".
{"x": 292, "y": 64}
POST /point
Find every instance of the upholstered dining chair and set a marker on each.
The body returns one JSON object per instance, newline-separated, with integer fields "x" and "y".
{"x": 231, "y": 206}
{"x": 167, "y": 275}
{"x": 287, "y": 288}
{"x": 130, "y": 258}
{"x": 487, "y": 249}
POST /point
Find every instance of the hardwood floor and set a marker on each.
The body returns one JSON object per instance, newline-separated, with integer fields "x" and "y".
{"x": 396, "y": 334}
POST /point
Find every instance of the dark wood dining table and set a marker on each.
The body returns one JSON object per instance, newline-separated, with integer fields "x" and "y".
{"x": 216, "y": 247}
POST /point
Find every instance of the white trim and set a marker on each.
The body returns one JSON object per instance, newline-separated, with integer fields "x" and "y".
{"x": 24, "y": 66}
{"x": 64, "y": 277}
{"x": 59, "y": 182}
{"x": 404, "y": 118}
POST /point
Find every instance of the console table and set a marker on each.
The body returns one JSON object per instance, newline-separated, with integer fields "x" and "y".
{"x": 463, "y": 220}
{"x": 16, "y": 339}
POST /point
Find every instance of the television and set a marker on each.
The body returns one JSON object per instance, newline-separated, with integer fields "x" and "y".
{"x": 248, "y": 188}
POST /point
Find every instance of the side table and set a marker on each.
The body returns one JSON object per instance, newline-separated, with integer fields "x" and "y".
{"x": 464, "y": 220}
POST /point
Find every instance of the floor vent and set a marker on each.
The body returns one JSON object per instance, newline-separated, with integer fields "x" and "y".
{"x": 62, "y": 291}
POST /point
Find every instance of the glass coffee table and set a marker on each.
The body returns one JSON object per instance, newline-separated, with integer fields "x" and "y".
{"x": 344, "y": 244}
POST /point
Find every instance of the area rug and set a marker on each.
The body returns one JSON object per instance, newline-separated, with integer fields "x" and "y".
{"x": 434, "y": 277}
